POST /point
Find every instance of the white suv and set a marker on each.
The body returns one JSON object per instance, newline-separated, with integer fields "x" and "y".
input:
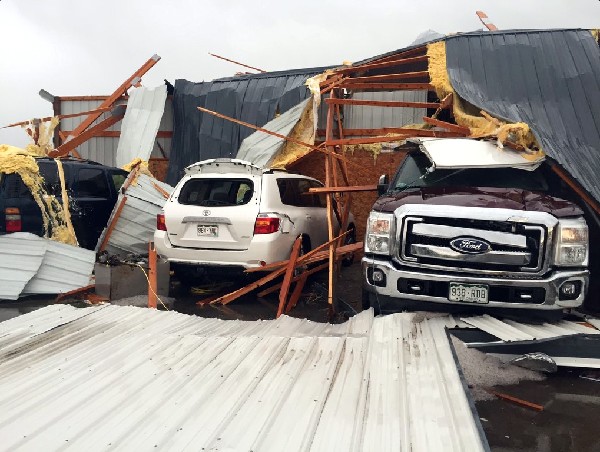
{"x": 228, "y": 214}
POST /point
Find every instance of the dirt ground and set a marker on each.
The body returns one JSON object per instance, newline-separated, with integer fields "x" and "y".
{"x": 571, "y": 403}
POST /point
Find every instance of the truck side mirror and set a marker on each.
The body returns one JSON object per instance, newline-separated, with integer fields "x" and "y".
{"x": 383, "y": 184}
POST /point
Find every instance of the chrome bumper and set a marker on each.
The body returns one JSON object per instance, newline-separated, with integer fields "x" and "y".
{"x": 551, "y": 285}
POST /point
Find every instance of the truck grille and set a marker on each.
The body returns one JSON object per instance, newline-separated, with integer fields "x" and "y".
{"x": 432, "y": 242}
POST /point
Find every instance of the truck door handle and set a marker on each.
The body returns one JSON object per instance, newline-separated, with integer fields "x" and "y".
{"x": 308, "y": 217}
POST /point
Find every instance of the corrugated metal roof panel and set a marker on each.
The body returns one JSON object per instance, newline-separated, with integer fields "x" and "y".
{"x": 131, "y": 378}
{"x": 251, "y": 98}
{"x": 260, "y": 148}
{"x": 549, "y": 79}
{"x": 511, "y": 331}
{"x": 64, "y": 268}
{"x": 145, "y": 108}
{"x": 361, "y": 117}
{"x": 21, "y": 255}
{"x": 136, "y": 224}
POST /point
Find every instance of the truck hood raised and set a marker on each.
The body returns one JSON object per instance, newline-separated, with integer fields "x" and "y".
{"x": 500, "y": 198}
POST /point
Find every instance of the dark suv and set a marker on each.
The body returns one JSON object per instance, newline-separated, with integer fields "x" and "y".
{"x": 92, "y": 190}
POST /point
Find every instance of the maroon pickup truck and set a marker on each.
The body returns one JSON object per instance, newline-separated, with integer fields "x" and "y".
{"x": 466, "y": 223}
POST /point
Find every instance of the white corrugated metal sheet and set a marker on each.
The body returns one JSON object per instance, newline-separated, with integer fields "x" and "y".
{"x": 21, "y": 255}
{"x": 135, "y": 226}
{"x": 367, "y": 117}
{"x": 145, "y": 108}
{"x": 64, "y": 268}
{"x": 33, "y": 265}
{"x": 260, "y": 148}
{"x": 129, "y": 378}
{"x": 510, "y": 331}
{"x": 104, "y": 149}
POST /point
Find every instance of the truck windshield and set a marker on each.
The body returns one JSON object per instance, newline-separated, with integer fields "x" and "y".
{"x": 413, "y": 173}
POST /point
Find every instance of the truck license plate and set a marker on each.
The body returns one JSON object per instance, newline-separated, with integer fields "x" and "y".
{"x": 469, "y": 293}
{"x": 208, "y": 231}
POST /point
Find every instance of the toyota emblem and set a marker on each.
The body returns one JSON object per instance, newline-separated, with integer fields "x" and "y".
{"x": 206, "y": 213}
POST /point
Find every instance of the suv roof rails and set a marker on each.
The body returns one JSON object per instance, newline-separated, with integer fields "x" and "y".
{"x": 71, "y": 159}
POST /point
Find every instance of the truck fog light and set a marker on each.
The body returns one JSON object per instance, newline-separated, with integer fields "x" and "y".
{"x": 376, "y": 277}
{"x": 569, "y": 290}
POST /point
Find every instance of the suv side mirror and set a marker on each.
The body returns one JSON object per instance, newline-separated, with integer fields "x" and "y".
{"x": 383, "y": 184}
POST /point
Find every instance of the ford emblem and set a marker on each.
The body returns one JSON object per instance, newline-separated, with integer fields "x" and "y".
{"x": 470, "y": 245}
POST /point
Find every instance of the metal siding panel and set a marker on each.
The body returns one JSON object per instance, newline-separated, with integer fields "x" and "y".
{"x": 366, "y": 117}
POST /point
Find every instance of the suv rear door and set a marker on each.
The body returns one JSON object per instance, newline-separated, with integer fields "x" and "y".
{"x": 216, "y": 211}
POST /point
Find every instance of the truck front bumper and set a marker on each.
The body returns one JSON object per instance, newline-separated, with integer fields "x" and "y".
{"x": 397, "y": 285}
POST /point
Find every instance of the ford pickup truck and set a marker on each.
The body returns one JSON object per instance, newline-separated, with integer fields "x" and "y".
{"x": 464, "y": 222}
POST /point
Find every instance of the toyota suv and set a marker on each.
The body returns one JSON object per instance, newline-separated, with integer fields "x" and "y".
{"x": 228, "y": 215}
{"x": 464, "y": 222}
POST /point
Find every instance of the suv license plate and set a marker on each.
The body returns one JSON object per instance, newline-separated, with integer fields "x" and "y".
{"x": 469, "y": 293}
{"x": 210, "y": 231}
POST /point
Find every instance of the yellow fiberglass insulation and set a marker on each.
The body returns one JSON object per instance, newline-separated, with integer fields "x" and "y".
{"x": 304, "y": 131}
{"x": 481, "y": 124}
{"x": 141, "y": 167}
{"x": 21, "y": 162}
{"x": 45, "y": 133}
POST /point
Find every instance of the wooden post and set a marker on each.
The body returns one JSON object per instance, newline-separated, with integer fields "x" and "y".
{"x": 328, "y": 183}
{"x": 289, "y": 273}
{"x": 152, "y": 284}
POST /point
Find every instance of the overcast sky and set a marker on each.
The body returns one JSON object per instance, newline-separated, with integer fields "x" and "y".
{"x": 80, "y": 47}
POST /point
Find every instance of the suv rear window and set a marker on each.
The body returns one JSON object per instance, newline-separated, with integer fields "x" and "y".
{"x": 294, "y": 192}
{"x": 91, "y": 183}
{"x": 216, "y": 192}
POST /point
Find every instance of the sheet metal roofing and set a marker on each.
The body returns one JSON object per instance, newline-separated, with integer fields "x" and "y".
{"x": 260, "y": 148}
{"x": 145, "y": 108}
{"x": 549, "y": 79}
{"x": 136, "y": 224}
{"x": 129, "y": 378}
{"x": 254, "y": 98}
{"x": 510, "y": 330}
{"x": 33, "y": 265}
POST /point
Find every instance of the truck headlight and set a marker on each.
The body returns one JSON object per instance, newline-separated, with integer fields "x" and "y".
{"x": 379, "y": 233}
{"x": 572, "y": 242}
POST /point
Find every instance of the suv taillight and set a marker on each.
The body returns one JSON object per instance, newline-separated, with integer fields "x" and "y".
{"x": 160, "y": 222}
{"x": 266, "y": 225}
{"x": 12, "y": 216}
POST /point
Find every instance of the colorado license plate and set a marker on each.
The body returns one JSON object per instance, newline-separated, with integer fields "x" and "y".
{"x": 210, "y": 231}
{"x": 469, "y": 293}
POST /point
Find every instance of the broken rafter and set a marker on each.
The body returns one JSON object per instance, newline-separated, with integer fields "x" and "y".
{"x": 380, "y": 78}
{"x": 236, "y": 62}
{"x": 400, "y": 131}
{"x": 343, "y": 189}
{"x": 404, "y": 54}
{"x": 382, "y": 103}
{"x": 448, "y": 126}
{"x": 48, "y": 118}
{"x": 278, "y": 135}
{"x": 386, "y": 64}
{"x": 67, "y": 147}
{"x": 112, "y": 224}
{"x": 117, "y": 133}
{"x": 110, "y": 100}
{"x": 289, "y": 273}
{"x": 354, "y": 141}
{"x": 349, "y": 84}
{"x": 576, "y": 187}
{"x": 228, "y": 298}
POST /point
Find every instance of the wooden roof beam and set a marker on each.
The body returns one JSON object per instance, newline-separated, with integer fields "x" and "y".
{"x": 353, "y": 86}
{"x": 382, "y": 103}
{"x": 386, "y": 64}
